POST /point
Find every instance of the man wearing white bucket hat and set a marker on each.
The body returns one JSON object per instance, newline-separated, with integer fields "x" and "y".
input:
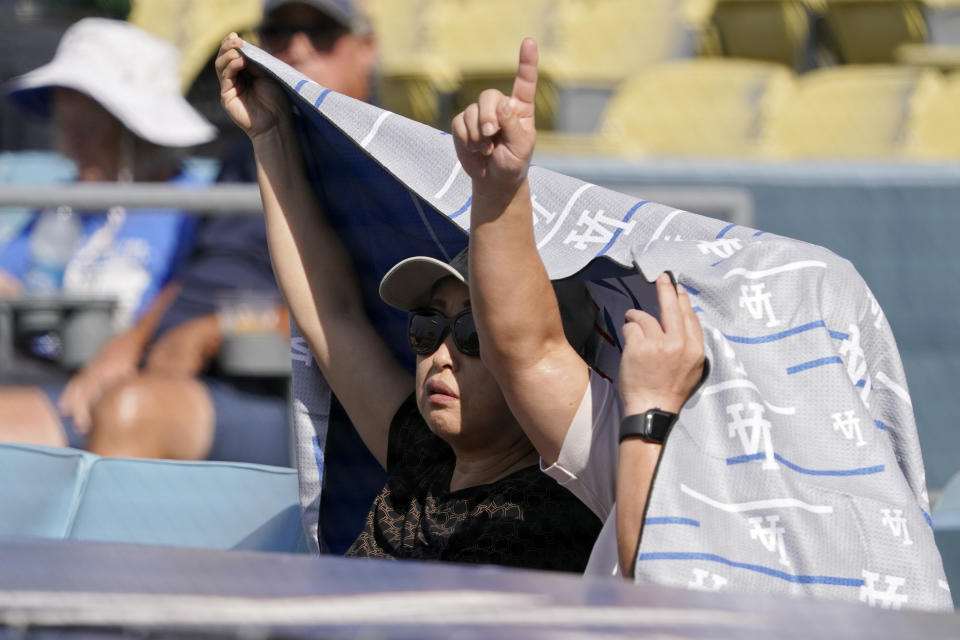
{"x": 112, "y": 92}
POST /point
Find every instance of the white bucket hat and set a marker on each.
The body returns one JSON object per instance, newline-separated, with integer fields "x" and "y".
{"x": 132, "y": 74}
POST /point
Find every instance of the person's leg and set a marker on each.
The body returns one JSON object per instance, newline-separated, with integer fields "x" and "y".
{"x": 252, "y": 421}
{"x": 28, "y": 416}
{"x": 154, "y": 417}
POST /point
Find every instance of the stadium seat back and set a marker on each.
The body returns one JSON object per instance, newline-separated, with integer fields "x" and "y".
{"x": 190, "y": 504}
{"x": 196, "y": 28}
{"x": 413, "y": 81}
{"x": 771, "y": 30}
{"x": 852, "y": 112}
{"x": 483, "y": 36}
{"x": 481, "y": 44}
{"x": 608, "y": 40}
{"x": 936, "y": 125}
{"x": 400, "y": 27}
{"x": 39, "y": 489}
{"x": 706, "y": 106}
{"x": 869, "y": 31}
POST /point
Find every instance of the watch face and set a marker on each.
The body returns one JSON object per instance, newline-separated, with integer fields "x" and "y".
{"x": 658, "y": 423}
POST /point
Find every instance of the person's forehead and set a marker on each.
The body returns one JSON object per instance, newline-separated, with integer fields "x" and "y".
{"x": 66, "y": 95}
{"x": 449, "y": 294}
{"x": 65, "y": 99}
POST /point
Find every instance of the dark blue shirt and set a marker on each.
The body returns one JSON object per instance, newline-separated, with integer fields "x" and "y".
{"x": 229, "y": 253}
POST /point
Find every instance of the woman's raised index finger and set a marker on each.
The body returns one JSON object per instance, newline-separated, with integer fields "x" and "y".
{"x": 525, "y": 84}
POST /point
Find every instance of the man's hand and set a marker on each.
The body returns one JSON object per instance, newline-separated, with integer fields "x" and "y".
{"x": 494, "y": 137}
{"x": 252, "y": 100}
{"x": 186, "y": 350}
{"x": 662, "y": 361}
{"x": 115, "y": 362}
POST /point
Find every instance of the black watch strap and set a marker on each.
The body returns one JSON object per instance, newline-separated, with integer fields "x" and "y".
{"x": 652, "y": 425}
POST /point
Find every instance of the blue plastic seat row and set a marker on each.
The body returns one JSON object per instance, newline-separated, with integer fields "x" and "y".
{"x": 65, "y": 493}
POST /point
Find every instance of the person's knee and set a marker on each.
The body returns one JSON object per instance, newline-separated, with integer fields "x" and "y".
{"x": 123, "y": 422}
{"x": 26, "y": 416}
{"x": 153, "y": 417}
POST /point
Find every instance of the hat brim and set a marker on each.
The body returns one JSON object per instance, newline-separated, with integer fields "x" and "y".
{"x": 164, "y": 120}
{"x": 408, "y": 285}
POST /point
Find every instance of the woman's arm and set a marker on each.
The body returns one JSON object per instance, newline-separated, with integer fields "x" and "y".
{"x": 661, "y": 365}
{"x": 314, "y": 271}
{"x": 516, "y": 311}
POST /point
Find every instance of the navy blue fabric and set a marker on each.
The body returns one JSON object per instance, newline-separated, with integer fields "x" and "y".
{"x": 352, "y": 479}
{"x": 362, "y": 200}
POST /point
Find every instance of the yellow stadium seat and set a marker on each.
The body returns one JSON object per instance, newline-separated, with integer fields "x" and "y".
{"x": 772, "y": 30}
{"x": 419, "y": 88}
{"x": 437, "y": 55}
{"x": 412, "y": 80}
{"x": 196, "y": 28}
{"x": 943, "y": 57}
{"x": 608, "y": 40}
{"x": 869, "y": 31}
{"x": 852, "y": 112}
{"x": 935, "y": 127}
{"x": 399, "y": 27}
{"x": 593, "y": 45}
{"x": 697, "y": 13}
{"x": 698, "y": 107}
{"x": 481, "y": 38}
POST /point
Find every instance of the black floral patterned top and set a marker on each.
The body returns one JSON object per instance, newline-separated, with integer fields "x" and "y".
{"x": 524, "y": 519}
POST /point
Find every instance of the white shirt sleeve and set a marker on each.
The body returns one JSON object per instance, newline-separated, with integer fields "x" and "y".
{"x": 587, "y": 464}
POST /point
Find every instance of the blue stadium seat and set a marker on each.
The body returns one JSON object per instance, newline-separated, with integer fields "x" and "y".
{"x": 39, "y": 489}
{"x": 190, "y": 504}
{"x": 65, "y": 493}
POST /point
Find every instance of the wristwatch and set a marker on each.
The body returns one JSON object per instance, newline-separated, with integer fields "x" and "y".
{"x": 652, "y": 425}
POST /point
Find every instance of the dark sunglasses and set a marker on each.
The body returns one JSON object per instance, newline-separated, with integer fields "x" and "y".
{"x": 427, "y": 328}
{"x": 323, "y": 34}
